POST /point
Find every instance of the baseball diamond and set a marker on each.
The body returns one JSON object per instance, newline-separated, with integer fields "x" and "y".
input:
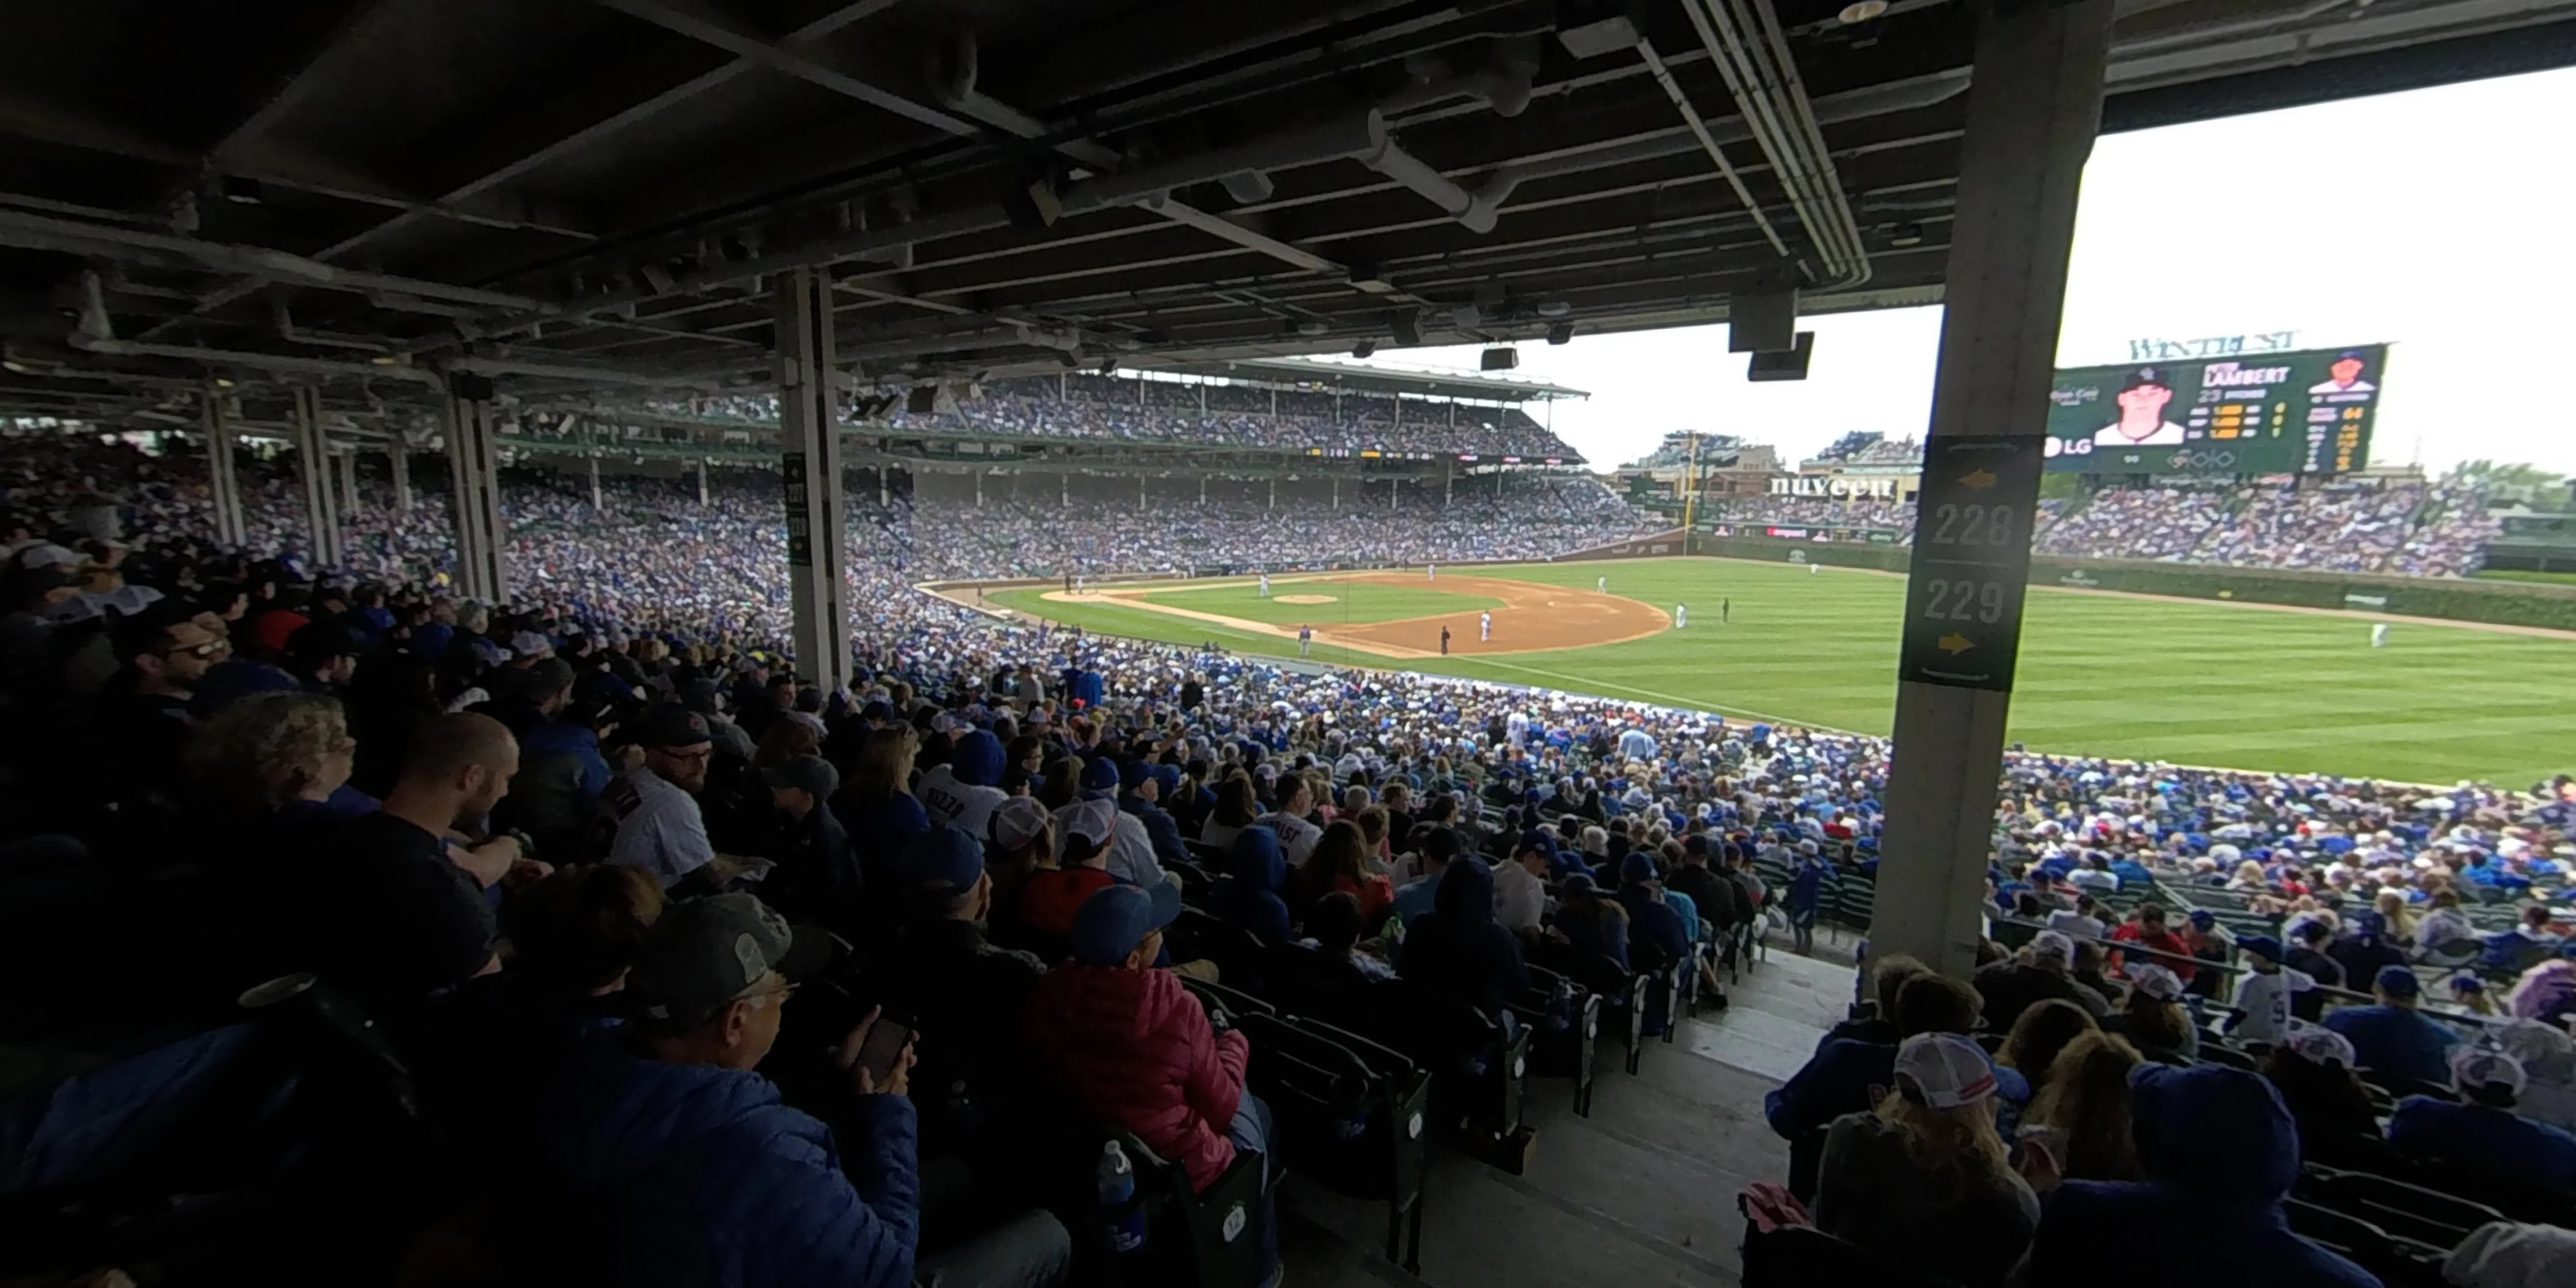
{"x": 2190, "y": 681}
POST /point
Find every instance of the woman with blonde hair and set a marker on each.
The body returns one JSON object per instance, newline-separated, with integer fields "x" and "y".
{"x": 1926, "y": 1178}
{"x": 275, "y": 753}
{"x": 2082, "y": 1110}
{"x": 2401, "y": 918}
{"x": 875, "y": 803}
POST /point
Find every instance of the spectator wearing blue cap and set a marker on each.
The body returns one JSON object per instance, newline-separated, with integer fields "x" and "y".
{"x": 1807, "y": 894}
{"x": 1131, "y": 852}
{"x": 1435, "y": 847}
{"x": 1147, "y": 785}
{"x": 817, "y": 877}
{"x": 941, "y": 966}
{"x": 1136, "y": 1047}
{"x": 2393, "y": 1036}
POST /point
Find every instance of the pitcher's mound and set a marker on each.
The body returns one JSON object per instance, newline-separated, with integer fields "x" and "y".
{"x": 1302, "y": 599}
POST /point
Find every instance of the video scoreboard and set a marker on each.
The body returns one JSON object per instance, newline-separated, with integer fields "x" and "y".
{"x": 2305, "y": 411}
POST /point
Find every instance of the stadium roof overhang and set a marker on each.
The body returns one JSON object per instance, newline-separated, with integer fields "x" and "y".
{"x": 1382, "y": 378}
{"x": 586, "y": 199}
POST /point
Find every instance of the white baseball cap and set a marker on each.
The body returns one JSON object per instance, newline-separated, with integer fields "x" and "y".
{"x": 1017, "y": 821}
{"x": 2480, "y": 1067}
{"x": 2318, "y": 1045}
{"x": 1944, "y": 1070}
{"x": 2052, "y": 944}
{"x": 2155, "y": 981}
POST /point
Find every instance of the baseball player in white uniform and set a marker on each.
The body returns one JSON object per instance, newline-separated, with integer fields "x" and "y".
{"x": 1265, "y": 585}
{"x": 1681, "y": 615}
{"x": 1484, "y": 626}
{"x": 1601, "y": 585}
{"x": 1431, "y": 572}
{"x": 2379, "y": 634}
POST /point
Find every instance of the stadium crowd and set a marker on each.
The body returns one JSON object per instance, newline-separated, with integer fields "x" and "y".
{"x": 2438, "y": 529}
{"x": 570, "y": 858}
{"x": 1164, "y": 411}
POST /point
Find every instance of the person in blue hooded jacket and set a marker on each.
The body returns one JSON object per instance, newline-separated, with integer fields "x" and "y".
{"x": 1147, "y": 787}
{"x": 1458, "y": 950}
{"x": 1652, "y": 922}
{"x": 2220, "y": 1154}
{"x": 1250, "y": 894}
{"x": 661, "y": 1158}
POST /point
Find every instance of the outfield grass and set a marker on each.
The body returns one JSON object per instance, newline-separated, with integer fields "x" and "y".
{"x": 2546, "y": 578}
{"x": 1353, "y": 601}
{"x": 2207, "y": 684}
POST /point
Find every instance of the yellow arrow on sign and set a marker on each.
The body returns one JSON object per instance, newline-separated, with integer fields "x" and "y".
{"x": 1978, "y": 479}
{"x": 1955, "y": 643}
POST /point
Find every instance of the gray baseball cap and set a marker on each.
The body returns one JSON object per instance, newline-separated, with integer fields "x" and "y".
{"x": 704, "y": 954}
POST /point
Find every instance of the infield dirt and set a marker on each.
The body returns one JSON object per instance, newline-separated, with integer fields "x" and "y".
{"x": 1534, "y": 617}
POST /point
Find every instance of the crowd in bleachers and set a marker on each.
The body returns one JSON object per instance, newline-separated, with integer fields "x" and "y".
{"x": 604, "y": 945}
{"x": 2403, "y": 529}
{"x": 1164, "y": 411}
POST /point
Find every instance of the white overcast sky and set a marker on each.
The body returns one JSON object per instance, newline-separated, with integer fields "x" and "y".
{"x": 2426, "y": 219}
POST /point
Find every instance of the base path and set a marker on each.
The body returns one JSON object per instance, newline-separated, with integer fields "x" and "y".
{"x": 1534, "y": 617}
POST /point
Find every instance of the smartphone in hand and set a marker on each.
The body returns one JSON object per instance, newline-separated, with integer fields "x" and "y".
{"x": 884, "y": 1046}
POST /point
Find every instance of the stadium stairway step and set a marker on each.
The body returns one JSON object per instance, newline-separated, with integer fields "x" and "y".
{"x": 1641, "y": 1191}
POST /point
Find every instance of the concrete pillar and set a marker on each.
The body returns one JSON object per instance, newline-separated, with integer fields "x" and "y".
{"x": 2030, "y": 126}
{"x": 1449, "y": 472}
{"x": 1391, "y": 486}
{"x": 702, "y": 480}
{"x": 1203, "y": 489}
{"x": 810, "y": 443}
{"x": 473, "y": 463}
{"x": 979, "y": 489}
{"x": 224, "y": 481}
{"x": 1337, "y": 484}
{"x": 1140, "y": 488}
{"x": 597, "y": 502}
{"x": 313, "y": 468}
{"x": 1274, "y": 479}
{"x": 348, "y": 463}
{"x": 1065, "y": 498}
{"x": 398, "y": 459}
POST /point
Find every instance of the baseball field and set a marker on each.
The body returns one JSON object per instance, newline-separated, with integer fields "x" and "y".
{"x": 2194, "y": 682}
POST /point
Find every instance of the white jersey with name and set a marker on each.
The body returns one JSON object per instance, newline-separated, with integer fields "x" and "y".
{"x": 659, "y": 827}
{"x": 947, "y": 800}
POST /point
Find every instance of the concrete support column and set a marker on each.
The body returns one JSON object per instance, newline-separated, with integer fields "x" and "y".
{"x": 349, "y": 504}
{"x": 398, "y": 459}
{"x": 224, "y": 481}
{"x": 1449, "y": 472}
{"x": 473, "y": 464}
{"x": 1140, "y": 488}
{"x": 809, "y": 439}
{"x": 1337, "y": 490}
{"x": 2031, "y": 123}
{"x": 1203, "y": 488}
{"x": 598, "y": 503}
{"x": 702, "y": 480}
{"x": 313, "y": 468}
{"x": 1274, "y": 481}
{"x": 1392, "y": 487}
{"x": 979, "y": 489}
{"x": 1064, "y": 498}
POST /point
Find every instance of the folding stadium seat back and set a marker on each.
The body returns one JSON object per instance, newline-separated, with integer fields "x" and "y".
{"x": 2400, "y": 1263}
{"x": 1353, "y": 1117}
{"x": 1240, "y": 956}
{"x": 1564, "y": 1019}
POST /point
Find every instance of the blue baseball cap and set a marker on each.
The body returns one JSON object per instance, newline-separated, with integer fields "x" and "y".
{"x": 2262, "y": 946}
{"x": 2203, "y": 918}
{"x": 1100, "y": 775}
{"x": 1579, "y": 883}
{"x": 1636, "y": 868}
{"x": 1115, "y": 919}
{"x": 1536, "y": 839}
{"x": 2398, "y": 981}
{"x": 945, "y": 856}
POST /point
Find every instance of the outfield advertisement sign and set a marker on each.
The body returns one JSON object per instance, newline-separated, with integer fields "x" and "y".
{"x": 2305, "y": 411}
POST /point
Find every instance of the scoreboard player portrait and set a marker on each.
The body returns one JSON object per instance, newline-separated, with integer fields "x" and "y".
{"x": 2142, "y": 400}
{"x": 2344, "y": 376}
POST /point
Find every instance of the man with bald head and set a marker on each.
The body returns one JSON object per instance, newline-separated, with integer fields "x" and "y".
{"x": 392, "y": 907}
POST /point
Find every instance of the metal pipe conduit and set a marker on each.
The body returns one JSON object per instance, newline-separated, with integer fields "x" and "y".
{"x": 279, "y": 362}
{"x": 45, "y": 232}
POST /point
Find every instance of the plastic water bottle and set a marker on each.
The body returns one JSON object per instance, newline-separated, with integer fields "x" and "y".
{"x": 1123, "y": 1226}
